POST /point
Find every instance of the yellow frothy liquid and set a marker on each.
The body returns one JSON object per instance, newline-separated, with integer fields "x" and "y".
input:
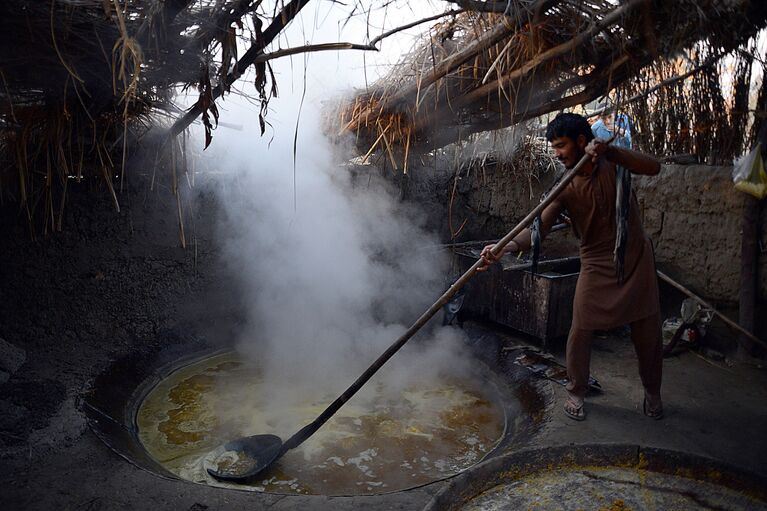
{"x": 375, "y": 443}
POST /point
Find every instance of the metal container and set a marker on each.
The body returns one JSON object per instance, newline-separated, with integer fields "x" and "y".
{"x": 539, "y": 304}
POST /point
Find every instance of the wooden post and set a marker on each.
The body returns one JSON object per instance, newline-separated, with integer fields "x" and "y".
{"x": 748, "y": 267}
{"x": 749, "y": 258}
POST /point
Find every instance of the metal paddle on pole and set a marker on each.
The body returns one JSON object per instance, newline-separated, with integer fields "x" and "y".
{"x": 255, "y": 453}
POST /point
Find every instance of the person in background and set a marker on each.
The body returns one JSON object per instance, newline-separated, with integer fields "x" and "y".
{"x": 605, "y": 126}
{"x": 602, "y": 300}
{"x": 602, "y": 127}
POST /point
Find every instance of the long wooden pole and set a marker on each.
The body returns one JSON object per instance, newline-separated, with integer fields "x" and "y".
{"x": 707, "y": 305}
{"x": 310, "y": 428}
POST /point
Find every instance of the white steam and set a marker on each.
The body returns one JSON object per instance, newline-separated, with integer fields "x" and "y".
{"x": 332, "y": 271}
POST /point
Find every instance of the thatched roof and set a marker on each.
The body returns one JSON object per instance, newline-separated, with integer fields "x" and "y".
{"x": 480, "y": 71}
{"x": 83, "y": 81}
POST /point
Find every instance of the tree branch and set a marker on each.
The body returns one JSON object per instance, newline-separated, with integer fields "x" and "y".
{"x": 448, "y": 131}
{"x": 279, "y": 22}
{"x": 498, "y": 6}
{"x": 415, "y": 23}
{"x": 164, "y": 17}
{"x": 548, "y": 55}
{"x": 669, "y": 81}
{"x": 449, "y": 64}
{"x": 222, "y": 23}
{"x": 309, "y": 48}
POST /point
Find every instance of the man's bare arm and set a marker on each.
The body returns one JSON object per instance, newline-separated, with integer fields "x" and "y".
{"x": 635, "y": 161}
{"x": 522, "y": 241}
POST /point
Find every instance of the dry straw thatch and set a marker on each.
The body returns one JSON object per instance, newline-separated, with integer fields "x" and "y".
{"x": 84, "y": 83}
{"x": 507, "y": 62}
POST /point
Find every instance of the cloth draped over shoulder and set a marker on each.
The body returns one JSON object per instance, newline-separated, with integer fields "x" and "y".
{"x": 600, "y": 301}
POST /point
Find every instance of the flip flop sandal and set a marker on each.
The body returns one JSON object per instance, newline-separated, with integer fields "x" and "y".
{"x": 578, "y": 415}
{"x": 653, "y": 414}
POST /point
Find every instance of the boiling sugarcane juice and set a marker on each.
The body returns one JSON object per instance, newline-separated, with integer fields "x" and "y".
{"x": 377, "y": 443}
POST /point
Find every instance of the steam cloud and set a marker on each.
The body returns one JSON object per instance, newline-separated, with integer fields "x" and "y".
{"x": 332, "y": 270}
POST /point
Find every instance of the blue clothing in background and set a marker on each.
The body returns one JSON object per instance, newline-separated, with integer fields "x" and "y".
{"x": 623, "y": 123}
{"x": 600, "y": 130}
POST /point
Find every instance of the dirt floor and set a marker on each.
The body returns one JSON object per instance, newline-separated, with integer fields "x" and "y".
{"x": 75, "y": 303}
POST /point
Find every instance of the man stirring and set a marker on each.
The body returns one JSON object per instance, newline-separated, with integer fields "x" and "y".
{"x": 605, "y": 297}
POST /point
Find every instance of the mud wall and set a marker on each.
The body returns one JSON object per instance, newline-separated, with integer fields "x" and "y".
{"x": 692, "y": 213}
{"x": 481, "y": 203}
{"x": 108, "y": 285}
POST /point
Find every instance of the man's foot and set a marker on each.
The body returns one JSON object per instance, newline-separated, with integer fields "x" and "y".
{"x": 652, "y": 407}
{"x": 574, "y": 408}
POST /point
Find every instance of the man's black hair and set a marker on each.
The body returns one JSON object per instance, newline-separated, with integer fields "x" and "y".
{"x": 569, "y": 125}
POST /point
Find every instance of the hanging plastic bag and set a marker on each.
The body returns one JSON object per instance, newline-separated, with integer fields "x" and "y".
{"x": 749, "y": 175}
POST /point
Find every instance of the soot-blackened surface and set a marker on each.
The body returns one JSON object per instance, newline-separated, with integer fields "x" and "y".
{"x": 109, "y": 284}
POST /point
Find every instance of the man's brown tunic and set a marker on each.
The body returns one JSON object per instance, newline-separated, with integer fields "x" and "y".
{"x": 600, "y": 301}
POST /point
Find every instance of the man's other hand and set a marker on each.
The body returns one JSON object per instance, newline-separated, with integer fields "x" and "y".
{"x": 488, "y": 257}
{"x": 596, "y": 148}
